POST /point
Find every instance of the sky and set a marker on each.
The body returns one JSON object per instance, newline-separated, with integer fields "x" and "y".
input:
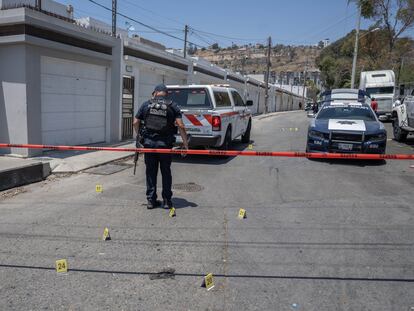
{"x": 225, "y": 22}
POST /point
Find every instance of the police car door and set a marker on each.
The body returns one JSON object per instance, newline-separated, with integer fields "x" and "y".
{"x": 240, "y": 108}
{"x": 410, "y": 110}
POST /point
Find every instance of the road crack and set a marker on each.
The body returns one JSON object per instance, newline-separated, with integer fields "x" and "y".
{"x": 275, "y": 171}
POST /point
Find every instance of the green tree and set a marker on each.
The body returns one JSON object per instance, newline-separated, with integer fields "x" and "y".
{"x": 313, "y": 90}
{"x": 320, "y": 44}
{"x": 335, "y": 61}
{"x": 394, "y": 16}
{"x": 215, "y": 46}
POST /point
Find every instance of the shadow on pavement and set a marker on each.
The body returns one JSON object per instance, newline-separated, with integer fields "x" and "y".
{"x": 409, "y": 141}
{"x": 182, "y": 203}
{"x": 352, "y": 162}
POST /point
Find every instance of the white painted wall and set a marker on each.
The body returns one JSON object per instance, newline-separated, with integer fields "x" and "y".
{"x": 47, "y": 5}
{"x": 73, "y": 102}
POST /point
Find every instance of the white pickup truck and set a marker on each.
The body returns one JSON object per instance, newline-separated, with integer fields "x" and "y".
{"x": 403, "y": 117}
{"x": 214, "y": 115}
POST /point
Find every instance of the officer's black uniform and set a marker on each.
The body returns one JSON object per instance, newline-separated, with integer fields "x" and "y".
{"x": 158, "y": 115}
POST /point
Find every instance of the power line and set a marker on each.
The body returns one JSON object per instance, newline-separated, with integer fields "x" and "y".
{"x": 201, "y": 38}
{"x": 208, "y": 38}
{"x": 126, "y": 8}
{"x": 228, "y": 37}
{"x": 153, "y": 12}
{"x": 331, "y": 26}
{"x": 142, "y": 24}
{"x": 199, "y": 31}
{"x": 257, "y": 40}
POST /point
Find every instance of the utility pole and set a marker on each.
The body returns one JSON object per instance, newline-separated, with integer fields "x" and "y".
{"x": 356, "y": 48}
{"x": 185, "y": 40}
{"x": 399, "y": 71}
{"x": 39, "y": 5}
{"x": 304, "y": 83}
{"x": 269, "y": 47}
{"x": 114, "y": 14}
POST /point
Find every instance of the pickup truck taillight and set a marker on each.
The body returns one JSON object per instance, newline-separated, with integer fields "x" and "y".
{"x": 216, "y": 123}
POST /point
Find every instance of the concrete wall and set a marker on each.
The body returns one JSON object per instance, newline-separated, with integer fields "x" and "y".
{"x": 47, "y": 5}
{"x": 13, "y": 96}
{"x": 147, "y": 76}
{"x": 20, "y": 78}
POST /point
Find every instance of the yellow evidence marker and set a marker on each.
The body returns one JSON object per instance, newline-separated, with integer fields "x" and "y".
{"x": 106, "y": 236}
{"x": 61, "y": 266}
{"x": 172, "y": 212}
{"x": 98, "y": 188}
{"x": 242, "y": 214}
{"x": 208, "y": 281}
{"x": 250, "y": 147}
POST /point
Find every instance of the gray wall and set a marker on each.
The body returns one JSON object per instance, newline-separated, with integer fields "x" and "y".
{"x": 20, "y": 94}
{"x": 47, "y": 5}
{"x": 13, "y": 105}
{"x": 33, "y": 61}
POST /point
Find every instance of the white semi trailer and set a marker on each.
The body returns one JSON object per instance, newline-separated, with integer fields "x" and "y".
{"x": 380, "y": 85}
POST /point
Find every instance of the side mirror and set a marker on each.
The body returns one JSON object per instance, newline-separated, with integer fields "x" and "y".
{"x": 249, "y": 102}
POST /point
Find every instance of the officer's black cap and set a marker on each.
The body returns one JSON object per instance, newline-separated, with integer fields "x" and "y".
{"x": 160, "y": 88}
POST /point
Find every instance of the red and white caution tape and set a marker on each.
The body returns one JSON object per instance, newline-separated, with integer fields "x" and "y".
{"x": 231, "y": 153}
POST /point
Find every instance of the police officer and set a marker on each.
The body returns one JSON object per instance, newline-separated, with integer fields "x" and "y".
{"x": 156, "y": 123}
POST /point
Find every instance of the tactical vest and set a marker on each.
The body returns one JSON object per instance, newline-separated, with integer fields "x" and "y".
{"x": 158, "y": 118}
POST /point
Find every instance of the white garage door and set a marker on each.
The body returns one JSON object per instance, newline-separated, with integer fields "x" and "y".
{"x": 72, "y": 102}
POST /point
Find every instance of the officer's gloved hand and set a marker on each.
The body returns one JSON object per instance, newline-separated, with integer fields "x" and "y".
{"x": 139, "y": 142}
{"x": 184, "y": 147}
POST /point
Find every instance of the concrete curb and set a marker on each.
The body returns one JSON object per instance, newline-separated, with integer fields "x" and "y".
{"x": 273, "y": 114}
{"x": 23, "y": 175}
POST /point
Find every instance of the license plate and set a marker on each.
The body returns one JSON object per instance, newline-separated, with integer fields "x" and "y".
{"x": 345, "y": 146}
{"x": 191, "y": 129}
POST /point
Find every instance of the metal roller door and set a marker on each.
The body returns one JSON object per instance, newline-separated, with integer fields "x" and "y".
{"x": 72, "y": 102}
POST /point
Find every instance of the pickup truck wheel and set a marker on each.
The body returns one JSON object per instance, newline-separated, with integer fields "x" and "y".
{"x": 227, "y": 140}
{"x": 246, "y": 136}
{"x": 399, "y": 134}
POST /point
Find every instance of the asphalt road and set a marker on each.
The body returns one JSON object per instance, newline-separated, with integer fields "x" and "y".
{"x": 319, "y": 235}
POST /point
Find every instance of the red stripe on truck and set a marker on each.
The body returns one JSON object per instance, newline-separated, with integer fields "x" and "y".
{"x": 192, "y": 118}
{"x": 209, "y": 118}
{"x": 229, "y": 114}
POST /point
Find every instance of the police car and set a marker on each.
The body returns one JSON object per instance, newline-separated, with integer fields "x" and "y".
{"x": 346, "y": 128}
{"x": 214, "y": 115}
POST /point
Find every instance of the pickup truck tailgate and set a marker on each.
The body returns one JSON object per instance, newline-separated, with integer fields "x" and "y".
{"x": 197, "y": 122}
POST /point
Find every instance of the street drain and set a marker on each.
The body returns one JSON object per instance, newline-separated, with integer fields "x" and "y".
{"x": 168, "y": 273}
{"x": 188, "y": 187}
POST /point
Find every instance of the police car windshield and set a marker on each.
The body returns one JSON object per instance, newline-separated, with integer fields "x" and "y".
{"x": 190, "y": 98}
{"x": 359, "y": 112}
